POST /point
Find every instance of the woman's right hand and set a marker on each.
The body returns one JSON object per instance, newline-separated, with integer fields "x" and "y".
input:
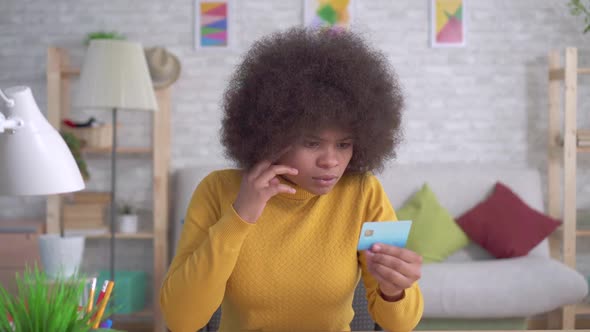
{"x": 258, "y": 186}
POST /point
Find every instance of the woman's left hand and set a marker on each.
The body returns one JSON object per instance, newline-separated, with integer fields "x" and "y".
{"x": 395, "y": 268}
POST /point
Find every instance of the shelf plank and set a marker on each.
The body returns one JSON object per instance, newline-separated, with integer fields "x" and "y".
{"x": 579, "y": 232}
{"x": 583, "y": 309}
{"x": 557, "y": 74}
{"x": 22, "y": 226}
{"x": 140, "y": 315}
{"x": 70, "y": 71}
{"x": 138, "y": 236}
{"x": 120, "y": 150}
{"x": 581, "y": 148}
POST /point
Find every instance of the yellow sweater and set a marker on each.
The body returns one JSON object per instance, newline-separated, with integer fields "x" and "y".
{"x": 295, "y": 269}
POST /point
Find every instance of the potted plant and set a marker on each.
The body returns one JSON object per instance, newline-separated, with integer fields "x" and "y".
{"x": 75, "y": 146}
{"x": 61, "y": 255}
{"x": 103, "y": 35}
{"x": 127, "y": 219}
{"x": 45, "y": 304}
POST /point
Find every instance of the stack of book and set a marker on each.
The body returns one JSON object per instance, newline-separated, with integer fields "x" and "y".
{"x": 84, "y": 213}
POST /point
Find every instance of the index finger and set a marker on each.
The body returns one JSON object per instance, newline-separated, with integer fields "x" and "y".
{"x": 275, "y": 170}
{"x": 260, "y": 167}
{"x": 404, "y": 254}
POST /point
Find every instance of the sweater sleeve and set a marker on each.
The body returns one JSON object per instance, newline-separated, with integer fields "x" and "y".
{"x": 207, "y": 251}
{"x": 404, "y": 314}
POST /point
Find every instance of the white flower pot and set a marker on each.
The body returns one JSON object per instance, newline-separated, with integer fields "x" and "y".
{"x": 127, "y": 223}
{"x": 61, "y": 256}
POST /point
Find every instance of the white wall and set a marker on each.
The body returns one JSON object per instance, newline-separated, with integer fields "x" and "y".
{"x": 486, "y": 102}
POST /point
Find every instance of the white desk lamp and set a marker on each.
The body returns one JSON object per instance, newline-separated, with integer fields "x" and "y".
{"x": 115, "y": 76}
{"x": 35, "y": 160}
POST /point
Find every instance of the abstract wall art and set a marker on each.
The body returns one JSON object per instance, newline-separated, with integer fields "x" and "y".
{"x": 213, "y": 24}
{"x": 447, "y": 23}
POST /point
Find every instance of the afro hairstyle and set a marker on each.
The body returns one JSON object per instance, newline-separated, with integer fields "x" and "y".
{"x": 303, "y": 80}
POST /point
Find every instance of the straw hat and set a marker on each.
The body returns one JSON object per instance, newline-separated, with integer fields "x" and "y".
{"x": 164, "y": 66}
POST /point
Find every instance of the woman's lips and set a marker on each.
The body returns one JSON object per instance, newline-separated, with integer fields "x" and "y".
{"x": 325, "y": 181}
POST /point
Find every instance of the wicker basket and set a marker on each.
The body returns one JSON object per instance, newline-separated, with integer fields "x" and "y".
{"x": 84, "y": 215}
{"x": 96, "y": 137}
{"x": 99, "y": 197}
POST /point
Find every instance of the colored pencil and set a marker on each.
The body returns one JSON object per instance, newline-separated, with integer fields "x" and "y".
{"x": 103, "y": 290}
{"x": 91, "y": 296}
{"x": 103, "y": 303}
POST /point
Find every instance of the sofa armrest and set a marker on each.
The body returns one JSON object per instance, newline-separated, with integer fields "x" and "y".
{"x": 500, "y": 288}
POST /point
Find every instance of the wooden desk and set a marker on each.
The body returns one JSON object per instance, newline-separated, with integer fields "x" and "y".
{"x": 19, "y": 248}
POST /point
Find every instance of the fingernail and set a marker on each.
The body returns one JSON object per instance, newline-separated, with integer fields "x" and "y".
{"x": 376, "y": 248}
{"x": 292, "y": 191}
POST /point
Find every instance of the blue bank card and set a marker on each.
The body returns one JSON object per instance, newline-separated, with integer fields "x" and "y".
{"x": 394, "y": 233}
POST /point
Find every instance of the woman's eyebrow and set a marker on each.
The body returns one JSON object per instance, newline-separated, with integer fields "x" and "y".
{"x": 314, "y": 137}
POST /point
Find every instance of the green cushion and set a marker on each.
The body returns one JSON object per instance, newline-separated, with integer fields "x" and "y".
{"x": 435, "y": 235}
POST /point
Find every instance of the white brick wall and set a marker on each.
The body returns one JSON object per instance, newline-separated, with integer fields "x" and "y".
{"x": 486, "y": 102}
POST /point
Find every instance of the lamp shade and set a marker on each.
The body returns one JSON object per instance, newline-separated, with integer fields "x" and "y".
{"x": 35, "y": 160}
{"x": 115, "y": 75}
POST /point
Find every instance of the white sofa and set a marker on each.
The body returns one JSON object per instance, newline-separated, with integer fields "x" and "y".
{"x": 471, "y": 289}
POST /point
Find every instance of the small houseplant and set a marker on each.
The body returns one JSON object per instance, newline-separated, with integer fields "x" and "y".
{"x": 127, "y": 219}
{"x": 45, "y": 304}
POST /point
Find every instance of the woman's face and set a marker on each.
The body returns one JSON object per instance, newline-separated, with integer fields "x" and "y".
{"x": 321, "y": 159}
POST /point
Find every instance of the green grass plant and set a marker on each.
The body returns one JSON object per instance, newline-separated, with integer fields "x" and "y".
{"x": 43, "y": 304}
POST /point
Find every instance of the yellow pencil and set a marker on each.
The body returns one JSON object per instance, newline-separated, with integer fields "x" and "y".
{"x": 103, "y": 304}
{"x": 91, "y": 296}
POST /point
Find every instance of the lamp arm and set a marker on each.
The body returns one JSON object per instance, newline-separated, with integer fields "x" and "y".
{"x": 11, "y": 124}
{"x": 9, "y": 102}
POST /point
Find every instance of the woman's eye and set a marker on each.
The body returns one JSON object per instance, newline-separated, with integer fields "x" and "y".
{"x": 344, "y": 145}
{"x": 311, "y": 144}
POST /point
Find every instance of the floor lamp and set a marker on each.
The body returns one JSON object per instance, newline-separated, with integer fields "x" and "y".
{"x": 115, "y": 76}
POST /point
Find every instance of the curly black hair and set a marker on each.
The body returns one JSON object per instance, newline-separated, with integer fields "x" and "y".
{"x": 303, "y": 80}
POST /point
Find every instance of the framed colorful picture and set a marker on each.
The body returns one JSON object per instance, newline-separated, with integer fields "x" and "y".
{"x": 213, "y": 25}
{"x": 328, "y": 13}
{"x": 447, "y": 23}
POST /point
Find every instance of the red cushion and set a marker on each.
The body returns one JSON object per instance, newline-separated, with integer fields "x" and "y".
{"x": 505, "y": 225}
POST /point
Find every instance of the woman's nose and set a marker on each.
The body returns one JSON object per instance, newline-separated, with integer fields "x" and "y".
{"x": 328, "y": 159}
